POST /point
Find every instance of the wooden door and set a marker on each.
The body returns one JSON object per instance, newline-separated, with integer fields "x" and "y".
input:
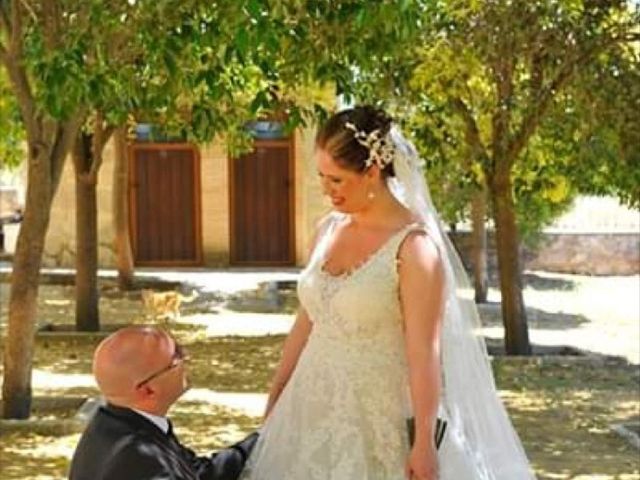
{"x": 262, "y": 199}
{"x": 165, "y": 204}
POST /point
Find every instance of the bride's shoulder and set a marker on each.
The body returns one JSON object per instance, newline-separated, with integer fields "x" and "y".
{"x": 418, "y": 249}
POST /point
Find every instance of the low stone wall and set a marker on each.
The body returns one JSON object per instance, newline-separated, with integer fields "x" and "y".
{"x": 597, "y": 253}
{"x": 579, "y": 253}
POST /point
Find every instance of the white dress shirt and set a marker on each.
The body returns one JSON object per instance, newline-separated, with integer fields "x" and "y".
{"x": 161, "y": 422}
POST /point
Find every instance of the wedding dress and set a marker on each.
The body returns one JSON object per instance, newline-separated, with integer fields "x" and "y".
{"x": 342, "y": 414}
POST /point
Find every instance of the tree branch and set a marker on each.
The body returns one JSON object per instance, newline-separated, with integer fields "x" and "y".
{"x": 541, "y": 102}
{"x": 101, "y": 135}
{"x": 22, "y": 90}
{"x": 15, "y": 44}
{"x": 96, "y": 141}
{"x": 5, "y": 23}
{"x": 631, "y": 37}
{"x": 66, "y": 136}
{"x": 30, "y": 9}
{"x": 11, "y": 58}
{"x": 77, "y": 154}
{"x": 537, "y": 72}
{"x": 472, "y": 133}
{"x": 10, "y": 55}
{"x": 532, "y": 120}
{"x": 51, "y": 23}
{"x": 501, "y": 118}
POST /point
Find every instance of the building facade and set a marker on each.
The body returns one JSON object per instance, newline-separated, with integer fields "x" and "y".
{"x": 194, "y": 206}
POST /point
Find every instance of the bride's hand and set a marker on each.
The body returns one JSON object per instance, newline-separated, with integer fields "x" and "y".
{"x": 422, "y": 463}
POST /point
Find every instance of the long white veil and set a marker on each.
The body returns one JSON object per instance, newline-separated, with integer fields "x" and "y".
{"x": 477, "y": 419}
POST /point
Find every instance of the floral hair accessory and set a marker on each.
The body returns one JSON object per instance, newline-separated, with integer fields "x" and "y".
{"x": 381, "y": 151}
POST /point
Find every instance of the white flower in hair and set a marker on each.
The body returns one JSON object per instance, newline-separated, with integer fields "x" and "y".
{"x": 381, "y": 150}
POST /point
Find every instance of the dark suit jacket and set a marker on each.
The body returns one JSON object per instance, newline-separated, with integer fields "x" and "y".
{"x": 119, "y": 444}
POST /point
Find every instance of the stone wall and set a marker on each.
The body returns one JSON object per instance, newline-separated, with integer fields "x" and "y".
{"x": 60, "y": 243}
{"x": 311, "y": 204}
{"x": 579, "y": 253}
{"x": 589, "y": 253}
{"x": 214, "y": 180}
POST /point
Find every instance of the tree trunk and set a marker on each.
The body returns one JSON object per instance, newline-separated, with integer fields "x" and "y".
{"x": 124, "y": 254}
{"x": 479, "y": 245}
{"x": 87, "y": 312}
{"x": 513, "y": 311}
{"x": 23, "y": 296}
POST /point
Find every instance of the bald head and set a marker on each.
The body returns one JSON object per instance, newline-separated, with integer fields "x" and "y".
{"x": 127, "y": 356}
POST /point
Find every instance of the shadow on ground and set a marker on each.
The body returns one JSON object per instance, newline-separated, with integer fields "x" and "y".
{"x": 540, "y": 282}
{"x": 563, "y": 409}
{"x": 491, "y": 315}
{"x": 202, "y": 426}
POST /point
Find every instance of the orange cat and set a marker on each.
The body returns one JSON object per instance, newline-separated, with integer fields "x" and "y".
{"x": 165, "y": 305}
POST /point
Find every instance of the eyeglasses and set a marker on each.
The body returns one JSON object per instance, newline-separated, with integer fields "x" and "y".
{"x": 179, "y": 356}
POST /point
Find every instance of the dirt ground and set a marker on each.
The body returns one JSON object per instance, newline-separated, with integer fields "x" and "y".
{"x": 562, "y": 406}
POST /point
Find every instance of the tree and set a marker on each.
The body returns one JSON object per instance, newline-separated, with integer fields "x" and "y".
{"x": 87, "y": 159}
{"x": 503, "y": 70}
{"x": 120, "y": 207}
{"x": 57, "y": 62}
{"x": 605, "y": 132}
{"x": 48, "y": 141}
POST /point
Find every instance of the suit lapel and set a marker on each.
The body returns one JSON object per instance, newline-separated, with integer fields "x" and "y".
{"x": 146, "y": 428}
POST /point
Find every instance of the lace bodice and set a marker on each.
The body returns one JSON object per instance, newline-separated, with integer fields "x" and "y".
{"x": 360, "y": 309}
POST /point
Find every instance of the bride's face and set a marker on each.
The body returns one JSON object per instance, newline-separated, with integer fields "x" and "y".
{"x": 346, "y": 189}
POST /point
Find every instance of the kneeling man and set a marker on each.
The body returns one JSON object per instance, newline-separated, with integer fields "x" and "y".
{"x": 141, "y": 372}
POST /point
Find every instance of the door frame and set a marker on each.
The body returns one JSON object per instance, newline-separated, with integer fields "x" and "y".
{"x": 291, "y": 261}
{"x": 197, "y": 203}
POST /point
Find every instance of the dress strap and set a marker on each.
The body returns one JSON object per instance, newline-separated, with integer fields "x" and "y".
{"x": 402, "y": 235}
{"x": 324, "y": 230}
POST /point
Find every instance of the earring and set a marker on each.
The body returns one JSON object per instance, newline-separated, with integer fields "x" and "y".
{"x": 371, "y": 195}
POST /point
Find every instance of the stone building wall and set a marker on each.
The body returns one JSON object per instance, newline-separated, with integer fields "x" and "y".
{"x": 579, "y": 253}
{"x": 215, "y": 205}
{"x": 60, "y": 242}
{"x": 311, "y": 203}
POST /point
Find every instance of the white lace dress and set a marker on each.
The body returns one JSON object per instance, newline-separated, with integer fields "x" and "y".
{"x": 342, "y": 415}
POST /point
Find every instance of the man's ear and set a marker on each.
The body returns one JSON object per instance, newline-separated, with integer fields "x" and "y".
{"x": 144, "y": 391}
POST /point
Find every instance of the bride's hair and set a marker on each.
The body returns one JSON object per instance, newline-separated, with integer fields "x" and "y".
{"x": 339, "y": 141}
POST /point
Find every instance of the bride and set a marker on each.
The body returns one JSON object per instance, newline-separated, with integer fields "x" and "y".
{"x": 386, "y": 337}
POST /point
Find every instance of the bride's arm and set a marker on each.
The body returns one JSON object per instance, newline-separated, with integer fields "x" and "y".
{"x": 295, "y": 342}
{"x": 422, "y": 296}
